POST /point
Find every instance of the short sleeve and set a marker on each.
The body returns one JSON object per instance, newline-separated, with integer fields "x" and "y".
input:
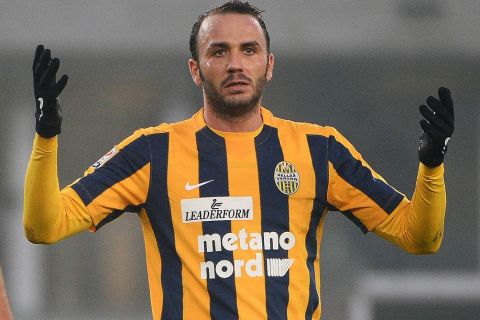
{"x": 355, "y": 189}
{"x": 118, "y": 182}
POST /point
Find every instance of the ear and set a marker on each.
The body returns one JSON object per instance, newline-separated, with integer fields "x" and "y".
{"x": 195, "y": 72}
{"x": 270, "y": 63}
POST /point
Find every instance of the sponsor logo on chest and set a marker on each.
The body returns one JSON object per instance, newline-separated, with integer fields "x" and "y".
{"x": 236, "y": 208}
{"x": 256, "y": 243}
{"x": 216, "y": 209}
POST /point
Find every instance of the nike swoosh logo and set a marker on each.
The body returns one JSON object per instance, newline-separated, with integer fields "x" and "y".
{"x": 189, "y": 187}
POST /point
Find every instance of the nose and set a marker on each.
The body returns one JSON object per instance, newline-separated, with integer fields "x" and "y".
{"x": 235, "y": 63}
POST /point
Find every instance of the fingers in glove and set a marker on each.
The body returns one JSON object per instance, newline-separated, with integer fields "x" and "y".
{"x": 60, "y": 85}
{"x": 434, "y": 134}
{"x": 446, "y": 98}
{"x": 434, "y": 120}
{"x": 42, "y": 65}
{"x": 49, "y": 75}
{"x": 38, "y": 53}
{"x": 438, "y": 107}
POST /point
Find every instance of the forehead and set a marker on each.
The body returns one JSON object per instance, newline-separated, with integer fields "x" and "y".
{"x": 230, "y": 28}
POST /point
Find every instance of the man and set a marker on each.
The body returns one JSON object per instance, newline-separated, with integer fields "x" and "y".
{"x": 232, "y": 201}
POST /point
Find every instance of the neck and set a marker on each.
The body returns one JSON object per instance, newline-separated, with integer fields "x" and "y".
{"x": 250, "y": 121}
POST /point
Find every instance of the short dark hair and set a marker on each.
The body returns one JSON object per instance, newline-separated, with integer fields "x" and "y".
{"x": 234, "y": 6}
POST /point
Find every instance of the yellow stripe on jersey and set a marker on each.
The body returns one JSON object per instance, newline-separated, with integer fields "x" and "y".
{"x": 243, "y": 181}
{"x": 354, "y": 203}
{"x": 318, "y": 309}
{"x": 131, "y": 191}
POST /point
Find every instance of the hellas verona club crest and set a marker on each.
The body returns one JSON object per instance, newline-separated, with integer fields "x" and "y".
{"x": 286, "y": 177}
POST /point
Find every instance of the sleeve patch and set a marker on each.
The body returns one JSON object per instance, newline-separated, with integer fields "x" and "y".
{"x": 109, "y": 155}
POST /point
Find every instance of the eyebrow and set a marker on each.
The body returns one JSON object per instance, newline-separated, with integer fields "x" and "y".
{"x": 224, "y": 45}
{"x": 251, "y": 44}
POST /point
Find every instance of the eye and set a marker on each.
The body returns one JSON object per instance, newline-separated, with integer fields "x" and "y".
{"x": 249, "y": 50}
{"x": 219, "y": 53}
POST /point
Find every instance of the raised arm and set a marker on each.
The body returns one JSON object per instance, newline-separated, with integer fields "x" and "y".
{"x": 418, "y": 226}
{"x": 48, "y": 215}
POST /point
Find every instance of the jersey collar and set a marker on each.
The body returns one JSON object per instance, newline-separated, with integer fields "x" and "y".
{"x": 267, "y": 117}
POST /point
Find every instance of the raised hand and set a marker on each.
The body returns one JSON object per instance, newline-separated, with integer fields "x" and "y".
{"x": 48, "y": 114}
{"x": 437, "y": 126}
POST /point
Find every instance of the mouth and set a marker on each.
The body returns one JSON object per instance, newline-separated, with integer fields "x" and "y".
{"x": 237, "y": 83}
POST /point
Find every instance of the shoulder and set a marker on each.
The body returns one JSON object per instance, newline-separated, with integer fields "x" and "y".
{"x": 159, "y": 129}
{"x": 304, "y": 128}
{"x": 183, "y": 127}
{"x": 313, "y": 132}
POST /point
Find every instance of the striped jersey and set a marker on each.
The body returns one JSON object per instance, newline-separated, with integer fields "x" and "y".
{"x": 232, "y": 222}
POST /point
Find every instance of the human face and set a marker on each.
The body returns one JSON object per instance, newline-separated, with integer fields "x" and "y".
{"x": 233, "y": 65}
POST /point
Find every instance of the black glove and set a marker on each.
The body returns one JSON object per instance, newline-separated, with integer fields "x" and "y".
{"x": 437, "y": 128}
{"x": 48, "y": 114}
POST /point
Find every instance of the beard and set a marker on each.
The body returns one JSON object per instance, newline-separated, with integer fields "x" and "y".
{"x": 234, "y": 108}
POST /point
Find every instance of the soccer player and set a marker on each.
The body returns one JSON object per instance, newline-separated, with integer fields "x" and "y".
{"x": 232, "y": 201}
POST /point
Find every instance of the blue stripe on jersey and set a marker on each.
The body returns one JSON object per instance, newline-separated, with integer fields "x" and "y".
{"x": 212, "y": 164}
{"x": 318, "y": 146}
{"x": 117, "y": 213}
{"x": 351, "y": 217}
{"x": 318, "y": 151}
{"x": 360, "y": 177}
{"x": 126, "y": 162}
{"x": 355, "y": 220}
{"x": 160, "y": 216}
{"x": 274, "y": 206}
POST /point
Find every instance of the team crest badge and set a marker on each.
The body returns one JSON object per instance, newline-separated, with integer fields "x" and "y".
{"x": 286, "y": 177}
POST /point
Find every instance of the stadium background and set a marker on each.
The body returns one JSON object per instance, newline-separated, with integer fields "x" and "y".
{"x": 361, "y": 66}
